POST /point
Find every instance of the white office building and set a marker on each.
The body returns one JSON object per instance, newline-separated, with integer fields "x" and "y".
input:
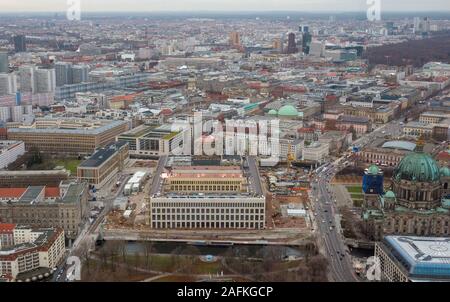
{"x": 8, "y": 83}
{"x": 10, "y": 151}
{"x": 208, "y": 196}
{"x": 27, "y": 82}
{"x": 45, "y": 80}
{"x": 317, "y": 152}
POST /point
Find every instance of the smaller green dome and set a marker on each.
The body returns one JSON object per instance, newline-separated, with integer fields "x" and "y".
{"x": 389, "y": 194}
{"x": 273, "y": 112}
{"x": 288, "y": 111}
{"x": 445, "y": 172}
{"x": 373, "y": 170}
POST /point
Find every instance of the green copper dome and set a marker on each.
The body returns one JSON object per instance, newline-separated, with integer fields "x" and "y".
{"x": 389, "y": 194}
{"x": 288, "y": 111}
{"x": 373, "y": 170}
{"x": 273, "y": 112}
{"x": 420, "y": 167}
{"x": 445, "y": 172}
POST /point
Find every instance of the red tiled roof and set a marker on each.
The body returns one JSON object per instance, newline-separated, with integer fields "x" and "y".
{"x": 166, "y": 111}
{"x": 7, "y": 227}
{"x": 445, "y": 155}
{"x": 331, "y": 97}
{"x": 11, "y": 192}
{"x": 52, "y": 192}
{"x": 18, "y": 192}
{"x": 306, "y": 130}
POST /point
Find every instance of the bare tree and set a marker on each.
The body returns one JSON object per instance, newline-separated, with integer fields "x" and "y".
{"x": 137, "y": 257}
{"x": 148, "y": 251}
{"x": 191, "y": 255}
{"x": 108, "y": 253}
{"x": 175, "y": 258}
{"x": 121, "y": 248}
{"x": 85, "y": 255}
{"x": 318, "y": 266}
{"x": 104, "y": 253}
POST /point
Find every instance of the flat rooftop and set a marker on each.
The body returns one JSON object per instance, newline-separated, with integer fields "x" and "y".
{"x": 138, "y": 131}
{"x": 201, "y": 175}
{"x": 415, "y": 124}
{"x": 436, "y": 114}
{"x": 149, "y": 131}
{"x": 5, "y": 145}
{"x": 84, "y": 131}
{"x": 31, "y": 194}
{"x": 427, "y": 257}
{"x": 102, "y": 155}
{"x": 249, "y": 171}
{"x": 401, "y": 145}
{"x": 33, "y": 173}
{"x": 74, "y": 193}
{"x": 208, "y": 168}
{"x": 205, "y": 172}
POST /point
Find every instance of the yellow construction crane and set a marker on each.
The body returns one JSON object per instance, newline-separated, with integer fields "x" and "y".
{"x": 290, "y": 158}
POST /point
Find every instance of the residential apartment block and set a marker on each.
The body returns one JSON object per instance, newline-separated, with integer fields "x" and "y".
{"x": 29, "y": 249}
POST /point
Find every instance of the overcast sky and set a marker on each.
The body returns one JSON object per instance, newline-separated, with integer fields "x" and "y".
{"x": 222, "y": 5}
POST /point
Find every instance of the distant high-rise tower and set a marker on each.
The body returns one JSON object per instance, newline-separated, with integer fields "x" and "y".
{"x": 303, "y": 29}
{"x": 27, "y": 81}
{"x": 426, "y": 24}
{"x": 80, "y": 74}
{"x": 8, "y": 84}
{"x": 317, "y": 48}
{"x": 63, "y": 71}
{"x": 4, "y": 62}
{"x": 235, "y": 38}
{"x": 292, "y": 45}
{"x": 422, "y": 25}
{"x": 277, "y": 44}
{"x": 45, "y": 80}
{"x": 306, "y": 42}
{"x": 20, "y": 44}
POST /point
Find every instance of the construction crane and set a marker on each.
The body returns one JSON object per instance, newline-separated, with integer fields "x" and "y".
{"x": 290, "y": 158}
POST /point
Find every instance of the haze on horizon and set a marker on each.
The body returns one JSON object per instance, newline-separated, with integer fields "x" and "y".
{"x": 222, "y": 5}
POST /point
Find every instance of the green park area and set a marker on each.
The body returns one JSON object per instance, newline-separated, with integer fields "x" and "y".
{"x": 356, "y": 193}
{"x": 68, "y": 164}
{"x": 37, "y": 161}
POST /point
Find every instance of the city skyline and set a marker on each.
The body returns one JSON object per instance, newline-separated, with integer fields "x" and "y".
{"x": 226, "y": 6}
